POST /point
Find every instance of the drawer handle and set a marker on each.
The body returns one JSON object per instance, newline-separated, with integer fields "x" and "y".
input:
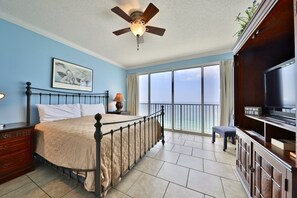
{"x": 4, "y": 148}
{"x": 5, "y": 136}
{"x": 252, "y": 169}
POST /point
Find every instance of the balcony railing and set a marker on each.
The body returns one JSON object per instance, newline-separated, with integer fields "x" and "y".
{"x": 187, "y": 117}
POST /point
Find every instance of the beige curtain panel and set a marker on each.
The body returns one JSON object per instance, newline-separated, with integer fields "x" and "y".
{"x": 132, "y": 96}
{"x": 227, "y": 92}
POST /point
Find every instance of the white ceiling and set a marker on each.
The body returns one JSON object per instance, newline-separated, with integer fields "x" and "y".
{"x": 193, "y": 27}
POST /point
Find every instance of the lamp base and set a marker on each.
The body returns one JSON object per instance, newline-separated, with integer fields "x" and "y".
{"x": 119, "y": 106}
{"x": 2, "y": 126}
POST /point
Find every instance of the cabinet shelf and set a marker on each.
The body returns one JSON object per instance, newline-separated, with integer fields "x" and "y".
{"x": 278, "y": 154}
{"x": 273, "y": 122}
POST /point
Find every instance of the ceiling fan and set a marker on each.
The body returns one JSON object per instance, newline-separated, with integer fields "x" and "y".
{"x": 138, "y": 21}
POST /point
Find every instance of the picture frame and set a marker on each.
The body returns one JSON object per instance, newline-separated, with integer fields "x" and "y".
{"x": 68, "y": 75}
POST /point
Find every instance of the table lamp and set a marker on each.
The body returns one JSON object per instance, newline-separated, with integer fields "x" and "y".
{"x": 119, "y": 98}
{"x": 2, "y": 95}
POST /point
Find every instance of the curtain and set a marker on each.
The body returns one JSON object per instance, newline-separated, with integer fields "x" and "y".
{"x": 132, "y": 96}
{"x": 227, "y": 92}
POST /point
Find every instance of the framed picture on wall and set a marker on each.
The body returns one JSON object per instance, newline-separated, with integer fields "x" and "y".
{"x": 71, "y": 76}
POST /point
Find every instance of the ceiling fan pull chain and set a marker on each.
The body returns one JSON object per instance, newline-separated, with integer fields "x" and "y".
{"x": 137, "y": 40}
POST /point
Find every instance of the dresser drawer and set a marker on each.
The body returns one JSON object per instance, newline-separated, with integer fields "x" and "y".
{"x": 11, "y": 145}
{"x": 15, "y": 162}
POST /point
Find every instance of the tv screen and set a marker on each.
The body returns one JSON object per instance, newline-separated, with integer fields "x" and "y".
{"x": 280, "y": 88}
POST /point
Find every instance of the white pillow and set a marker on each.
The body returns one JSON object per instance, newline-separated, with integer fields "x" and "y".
{"x": 92, "y": 109}
{"x": 49, "y": 113}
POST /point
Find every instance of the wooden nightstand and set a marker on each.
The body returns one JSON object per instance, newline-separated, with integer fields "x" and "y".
{"x": 120, "y": 113}
{"x": 16, "y": 150}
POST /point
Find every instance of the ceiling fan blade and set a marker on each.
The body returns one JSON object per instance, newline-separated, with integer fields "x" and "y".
{"x": 155, "y": 30}
{"x": 121, "y": 31}
{"x": 121, "y": 13}
{"x": 149, "y": 12}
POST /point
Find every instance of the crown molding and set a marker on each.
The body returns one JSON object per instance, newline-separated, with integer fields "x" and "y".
{"x": 184, "y": 58}
{"x": 262, "y": 11}
{"x": 28, "y": 26}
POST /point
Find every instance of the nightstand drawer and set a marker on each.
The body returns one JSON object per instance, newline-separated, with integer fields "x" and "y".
{"x": 14, "y": 162}
{"x": 10, "y": 145}
{"x": 16, "y": 150}
{"x": 16, "y": 133}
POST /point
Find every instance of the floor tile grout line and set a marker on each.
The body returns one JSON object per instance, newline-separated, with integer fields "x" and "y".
{"x": 193, "y": 168}
{"x": 188, "y": 188}
{"x": 225, "y": 164}
{"x": 71, "y": 191}
{"x": 41, "y": 187}
{"x": 178, "y": 158}
{"x": 223, "y": 186}
{"x": 213, "y": 174}
{"x": 113, "y": 188}
{"x": 156, "y": 176}
{"x": 166, "y": 189}
{"x": 188, "y": 178}
{"x": 16, "y": 188}
{"x": 132, "y": 184}
{"x": 160, "y": 168}
{"x": 203, "y": 165}
{"x": 161, "y": 160}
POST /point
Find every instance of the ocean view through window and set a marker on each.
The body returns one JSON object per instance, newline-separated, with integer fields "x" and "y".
{"x": 191, "y": 97}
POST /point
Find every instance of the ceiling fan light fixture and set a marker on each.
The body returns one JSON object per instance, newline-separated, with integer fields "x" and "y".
{"x": 138, "y": 28}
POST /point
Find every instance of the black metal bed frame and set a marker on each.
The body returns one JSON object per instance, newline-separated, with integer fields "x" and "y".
{"x": 62, "y": 97}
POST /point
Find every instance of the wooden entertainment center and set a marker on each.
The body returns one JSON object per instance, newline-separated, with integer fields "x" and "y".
{"x": 270, "y": 39}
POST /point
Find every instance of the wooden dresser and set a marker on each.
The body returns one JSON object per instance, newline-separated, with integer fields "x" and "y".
{"x": 16, "y": 151}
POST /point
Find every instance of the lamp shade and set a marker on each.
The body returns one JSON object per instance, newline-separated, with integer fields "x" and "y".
{"x": 2, "y": 95}
{"x": 137, "y": 28}
{"x": 119, "y": 97}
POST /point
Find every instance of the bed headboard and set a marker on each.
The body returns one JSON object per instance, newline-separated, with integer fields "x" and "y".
{"x": 46, "y": 96}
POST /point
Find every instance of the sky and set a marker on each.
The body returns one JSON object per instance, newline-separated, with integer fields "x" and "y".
{"x": 187, "y": 86}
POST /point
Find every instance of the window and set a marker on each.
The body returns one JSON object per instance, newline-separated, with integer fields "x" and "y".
{"x": 190, "y": 97}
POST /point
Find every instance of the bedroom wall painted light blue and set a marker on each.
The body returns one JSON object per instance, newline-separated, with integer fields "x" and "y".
{"x": 183, "y": 64}
{"x": 27, "y": 56}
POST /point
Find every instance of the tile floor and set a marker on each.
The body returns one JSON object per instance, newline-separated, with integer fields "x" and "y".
{"x": 187, "y": 166}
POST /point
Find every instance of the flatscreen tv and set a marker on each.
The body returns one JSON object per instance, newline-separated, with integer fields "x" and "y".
{"x": 280, "y": 90}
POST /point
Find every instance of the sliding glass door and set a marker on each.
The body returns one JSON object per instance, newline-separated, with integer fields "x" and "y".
{"x": 190, "y": 97}
{"x": 187, "y": 100}
{"x": 143, "y": 107}
{"x": 211, "y": 97}
{"x": 161, "y": 91}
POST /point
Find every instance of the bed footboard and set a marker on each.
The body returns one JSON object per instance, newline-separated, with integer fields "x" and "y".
{"x": 149, "y": 124}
